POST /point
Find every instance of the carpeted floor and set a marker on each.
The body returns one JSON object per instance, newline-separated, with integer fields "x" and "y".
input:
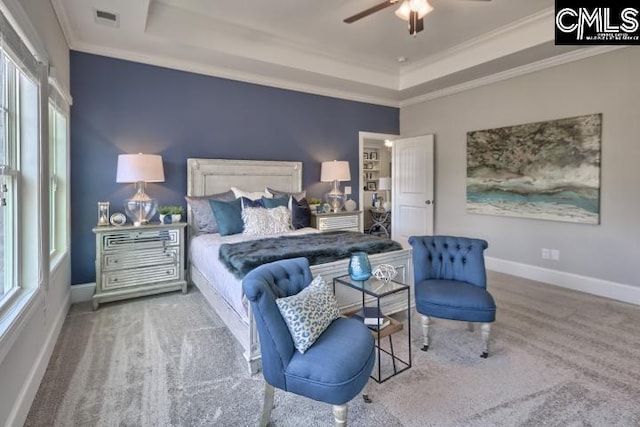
{"x": 558, "y": 358}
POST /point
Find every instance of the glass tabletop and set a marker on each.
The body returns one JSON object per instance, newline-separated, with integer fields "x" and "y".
{"x": 372, "y": 286}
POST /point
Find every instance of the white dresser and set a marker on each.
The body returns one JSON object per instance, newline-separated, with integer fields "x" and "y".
{"x": 137, "y": 261}
{"x": 347, "y": 221}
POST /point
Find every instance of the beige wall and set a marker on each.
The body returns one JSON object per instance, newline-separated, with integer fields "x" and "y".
{"x": 606, "y": 84}
{"x": 44, "y": 20}
{"x": 32, "y": 342}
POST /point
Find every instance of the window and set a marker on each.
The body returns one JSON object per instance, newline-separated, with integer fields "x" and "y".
{"x": 57, "y": 181}
{"x": 20, "y": 136}
{"x": 8, "y": 269}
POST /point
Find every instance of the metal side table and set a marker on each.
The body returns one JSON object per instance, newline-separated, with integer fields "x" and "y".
{"x": 376, "y": 290}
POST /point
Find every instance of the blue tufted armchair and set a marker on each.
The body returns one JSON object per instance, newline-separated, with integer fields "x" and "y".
{"x": 450, "y": 283}
{"x": 333, "y": 370}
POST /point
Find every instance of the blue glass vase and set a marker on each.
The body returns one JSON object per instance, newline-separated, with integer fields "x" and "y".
{"x": 359, "y": 266}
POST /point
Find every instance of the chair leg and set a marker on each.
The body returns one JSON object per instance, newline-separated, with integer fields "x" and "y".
{"x": 340, "y": 415}
{"x": 366, "y": 391}
{"x": 486, "y": 331}
{"x": 470, "y": 327}
{"x": 425, "y": 332}
{"x": 267, "y": 406}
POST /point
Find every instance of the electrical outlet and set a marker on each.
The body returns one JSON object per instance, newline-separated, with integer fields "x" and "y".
{"x": 545, "y": 253}
{"x": 555, "y": 254}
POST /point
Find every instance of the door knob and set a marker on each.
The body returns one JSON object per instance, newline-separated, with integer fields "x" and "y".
{"x": 427, "y": 202}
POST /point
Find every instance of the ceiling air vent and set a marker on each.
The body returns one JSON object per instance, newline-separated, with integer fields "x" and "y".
{"x": 106, "y": 18}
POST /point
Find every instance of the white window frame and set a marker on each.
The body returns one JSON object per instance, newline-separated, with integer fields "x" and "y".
{"x": 29, "y": 175}
{"x": 58, "y": 178}
{"x": 10, "y": 109}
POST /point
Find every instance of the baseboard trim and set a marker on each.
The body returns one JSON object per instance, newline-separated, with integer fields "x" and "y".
{"x": 83, "y": 292}
{"x": 30, "y": 388}
{"x": 590, "y": 285}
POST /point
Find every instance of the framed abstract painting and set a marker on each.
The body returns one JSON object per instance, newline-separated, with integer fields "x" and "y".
{"x": 546, "y": 170}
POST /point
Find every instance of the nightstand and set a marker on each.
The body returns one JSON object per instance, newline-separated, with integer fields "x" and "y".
{"x": 137, "y": 261}
{"x": 344, "y": 220}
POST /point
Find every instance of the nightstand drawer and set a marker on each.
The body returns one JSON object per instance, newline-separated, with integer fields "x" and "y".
{"x": 139, "y": 276}
{"x": 338, "y": 222}
{"x": 142, "y": 258}
{"x": 138, "y": 239}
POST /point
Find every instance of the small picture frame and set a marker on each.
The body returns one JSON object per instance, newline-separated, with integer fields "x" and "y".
{"x": 371, "y": 186}
{"x": 365, "y": 156}
{"x": 373, "y": 156}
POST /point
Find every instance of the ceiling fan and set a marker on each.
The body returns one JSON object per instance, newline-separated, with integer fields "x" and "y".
{"x": 410, "y": 10}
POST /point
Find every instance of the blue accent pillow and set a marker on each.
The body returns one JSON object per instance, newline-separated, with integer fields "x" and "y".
{"x": 228, "y": 215}
{"x": 309, "y": 312}
{"x": 300, "y": 213}
{"x": 248, "y": 203}
{"x": 275, "y": 202}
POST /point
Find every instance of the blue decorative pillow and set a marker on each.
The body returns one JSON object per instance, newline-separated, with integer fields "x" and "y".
{"x": 248, "y": 203}
{"x": 274, "y": 203}
{"x": 228, "y": 215}
{"x": 309, "y": 312}
{"x": 300, "y": 213}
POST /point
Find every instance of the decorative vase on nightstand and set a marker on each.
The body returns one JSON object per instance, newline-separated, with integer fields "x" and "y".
{"x": 350, "y": 205}
{"x": 359, "y": 266}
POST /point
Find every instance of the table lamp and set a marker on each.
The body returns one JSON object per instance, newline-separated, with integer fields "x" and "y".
{"x": 384, "y": 184}
{"x": 140, "y": 169}
{"x": 335, "y": 172}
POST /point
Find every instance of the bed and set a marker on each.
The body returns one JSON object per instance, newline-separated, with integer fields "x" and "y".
{"x": 219, "y": 286}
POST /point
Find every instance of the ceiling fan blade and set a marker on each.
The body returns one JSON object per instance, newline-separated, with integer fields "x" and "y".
{"x": 370, "y": 11}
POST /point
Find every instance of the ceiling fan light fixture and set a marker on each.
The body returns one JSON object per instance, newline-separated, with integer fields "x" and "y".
{"x": 422, "y": 7}
{"x": 404, "y": 10}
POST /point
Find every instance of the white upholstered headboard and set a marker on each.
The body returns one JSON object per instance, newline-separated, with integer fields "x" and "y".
{"x": 212, "y": 176}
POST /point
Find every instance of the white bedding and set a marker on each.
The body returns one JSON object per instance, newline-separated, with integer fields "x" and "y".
{"x": 203, "y": 253}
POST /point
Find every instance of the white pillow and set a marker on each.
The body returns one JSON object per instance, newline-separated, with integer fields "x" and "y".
{"x": 309, "y": 312}
{"x": 260, "y": 221}
{"x": 253, "y": 195}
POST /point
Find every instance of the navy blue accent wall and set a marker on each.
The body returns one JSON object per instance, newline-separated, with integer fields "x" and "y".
{"x": 124, "y": 107}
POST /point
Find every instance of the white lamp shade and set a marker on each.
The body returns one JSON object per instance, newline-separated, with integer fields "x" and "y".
{"x": 139, "y": 167}
{"x": 407, "y": 6}
{"x": 384, "y": 183}
{"x": 335, "y": 171}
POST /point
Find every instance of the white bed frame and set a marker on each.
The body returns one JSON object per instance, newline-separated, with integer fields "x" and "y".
{"x": 211, "y": 176}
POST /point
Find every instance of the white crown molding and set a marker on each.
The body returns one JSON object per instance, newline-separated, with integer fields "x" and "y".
{"x": 528, "y": 32}
{"x": 565, "y": 58}
{"x": 591, "y": 285}
{"x": 498, "y": 33}
{"x": 257, "y": 44}
{"x": 63, "y": 20}
{"x": 230, "y": 74}
{"x": 533, "y": 28}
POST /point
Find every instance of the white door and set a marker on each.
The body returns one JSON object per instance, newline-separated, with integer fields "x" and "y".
{"x": 412, "y": 188}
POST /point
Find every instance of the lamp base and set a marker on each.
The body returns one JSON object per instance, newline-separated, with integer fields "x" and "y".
{"x": 335, "y": 198}
{"x": 140, "y": 211}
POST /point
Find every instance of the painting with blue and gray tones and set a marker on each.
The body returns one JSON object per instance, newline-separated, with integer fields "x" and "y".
{"x": 547, "y": 170}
